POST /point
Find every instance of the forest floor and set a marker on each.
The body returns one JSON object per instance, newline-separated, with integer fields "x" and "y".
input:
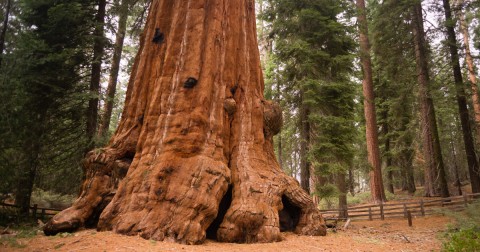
{"x": 388, "y": 235}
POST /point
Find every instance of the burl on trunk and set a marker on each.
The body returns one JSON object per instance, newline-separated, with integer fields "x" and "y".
{"x": 193, "y": 154}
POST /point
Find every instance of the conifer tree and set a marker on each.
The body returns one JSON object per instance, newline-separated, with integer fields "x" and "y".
{"x": 435, "y": 180}
{"x": 314, "y": 51}
{"x": 46, "y": 105}
{"x": 473, "y": 165}
{"x": 376, "y": 180}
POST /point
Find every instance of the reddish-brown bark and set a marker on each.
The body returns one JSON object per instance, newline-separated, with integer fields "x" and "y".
{"x": 200, "y": 160}
{"x": 434, "y": 168}
{"x": 376, "y": 182}
{"x": 470, "y": 68}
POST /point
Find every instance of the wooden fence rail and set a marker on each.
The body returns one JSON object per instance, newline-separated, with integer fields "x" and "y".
{"x": 34, "y": 211}
{"x": 400, "y": 210}
{"x": 366, "y": 212}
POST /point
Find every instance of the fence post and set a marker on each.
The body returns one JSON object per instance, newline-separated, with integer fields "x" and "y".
{"x": 382, "y": 216}
{"x": 34, "y": 213}
{"x": 43, "y": 214}
{"x": 404, "y": 210}
{"x": 346, "y": 212}
{"x": 370, "y": 213}
{"x": 409, "y": 216}
{"x": 422, "y": 209}
{"x": 465, "y": 199}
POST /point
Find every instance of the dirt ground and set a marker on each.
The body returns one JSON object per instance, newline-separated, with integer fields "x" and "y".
{"x": 388, "y": 235}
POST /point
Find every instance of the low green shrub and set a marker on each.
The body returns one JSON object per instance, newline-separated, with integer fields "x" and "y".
{"x": 464, "y": 235}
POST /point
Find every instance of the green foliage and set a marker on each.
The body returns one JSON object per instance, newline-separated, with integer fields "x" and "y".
{"x": 310, "y": 71}
{"x": 43, "y": 97}
{"x": 465, "y": 234}
{"x": 51, "y": 200}
{"x": 464, "y": 240}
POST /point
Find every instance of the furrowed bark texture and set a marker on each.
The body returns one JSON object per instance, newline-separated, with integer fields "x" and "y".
{"x": 434, "y": 168}
{"x": 201, "y": 153}
{"x": 376, "y": 180}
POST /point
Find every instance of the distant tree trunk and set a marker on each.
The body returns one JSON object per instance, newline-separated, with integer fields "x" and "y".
{"x": 279, "y": 138}
{"x": 391, "y": 187}
{"x": 434, "y": 168}
{"x": 115, "y": 68}
{"x": 304, "y": 147}
{"x": 376, "y": 180}
{"x": 388, "y": 163}
{"x": 195, "y": 142}
{"x": 406, "y": 160}
{"x": 473, "y": 166}
{"x": 471, "y": 69}
{"x": 98, "y": 49}
{"x": 3, "y": 33}
{"x": 342, "y": 198}
{"x": 351, "y": 181}
{"x": 29, "y": 166}
{"x": 458, "y": 183}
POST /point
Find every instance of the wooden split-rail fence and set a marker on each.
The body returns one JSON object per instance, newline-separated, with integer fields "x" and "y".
{"x": 401, "y": 210}
{"x": 366, "y": 212}
{"x": 34, "y": 211}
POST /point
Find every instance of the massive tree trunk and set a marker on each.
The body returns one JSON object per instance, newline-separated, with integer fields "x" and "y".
{"x": 115, "y": 68}
{"x": 98, "y": 49}
{"x": 3, "y": 32}
{"x": 473, "y": 166}
{"x": 376, "y": 180}
{"x": 195, "y": 139}
{"x": 434, "y": 168}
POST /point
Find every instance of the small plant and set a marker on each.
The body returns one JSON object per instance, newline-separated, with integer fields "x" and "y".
{"x": 467, "y": 240}
{"x": 464, "y": 235}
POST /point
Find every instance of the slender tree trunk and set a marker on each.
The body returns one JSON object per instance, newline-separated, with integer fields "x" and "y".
{"x": 115, "y": 68}
{"x": 279, "y": 138}
{"x": 3, "y": 33}
{"x": 376, "y": 182}
{"x": 28, "y": 168}
{"x": 193, "y": 154}
{"x": 342, "y": 198}
{"x": 98, "y": 50}
{"x": 471, "y": 69}
{"x": 391, "y": 187}
{"x": 473, "y": 166}
{"x": 388, "y": 163}
{"x": 434, "y": 168}
{"x": 351, "y": 181}
{"x": 458, "y": 183}
{"x": 304, "y": 148}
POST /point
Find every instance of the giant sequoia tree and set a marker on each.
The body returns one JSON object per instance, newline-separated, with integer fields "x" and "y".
{"x": 193, "y": 153}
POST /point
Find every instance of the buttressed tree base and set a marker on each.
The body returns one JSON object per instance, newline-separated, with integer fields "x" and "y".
{"x": 193, "y": 155}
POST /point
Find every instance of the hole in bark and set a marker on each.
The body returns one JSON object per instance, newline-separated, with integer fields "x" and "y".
{"x": 92, "y": 221}
{"x": 289, "y": 215}
{"x": 129, "y": 155}
{"x": 222, "y": 210}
